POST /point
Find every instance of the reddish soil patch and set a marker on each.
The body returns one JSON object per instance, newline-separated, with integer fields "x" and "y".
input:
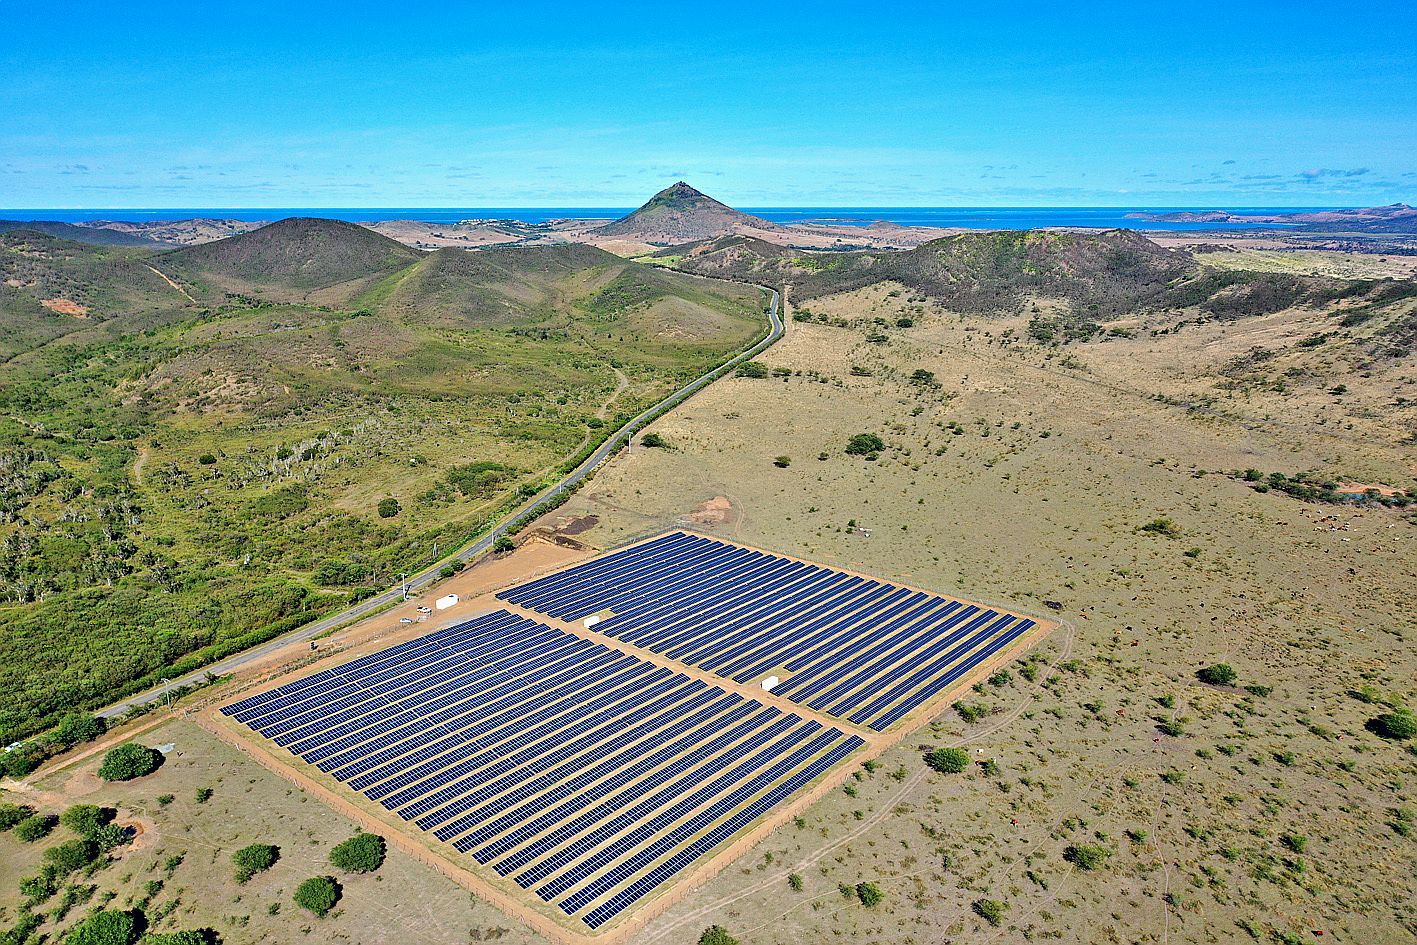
{"x": 715, "y": 511}
{"x": 65, "y": 307}
{"x": 1358, "y": 488}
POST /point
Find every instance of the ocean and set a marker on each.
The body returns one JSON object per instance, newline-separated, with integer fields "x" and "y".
{"x": 978, "y": 218}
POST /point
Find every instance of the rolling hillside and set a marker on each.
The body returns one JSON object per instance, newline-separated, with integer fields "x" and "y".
{"x": 183, "y": 479}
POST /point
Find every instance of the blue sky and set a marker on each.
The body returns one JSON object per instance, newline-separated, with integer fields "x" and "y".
{"x": 545, "y": 104}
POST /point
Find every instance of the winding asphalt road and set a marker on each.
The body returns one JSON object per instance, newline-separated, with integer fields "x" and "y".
{"x": 478, "y": 547}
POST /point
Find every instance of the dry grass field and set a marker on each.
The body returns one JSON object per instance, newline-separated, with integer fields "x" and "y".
{"x": 1026, "y": 475}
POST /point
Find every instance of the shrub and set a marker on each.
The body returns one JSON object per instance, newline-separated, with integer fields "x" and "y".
{"x": 129, "y": 761}
{"x": 105, "y": 927}
{"x": 1162, "y": 526}
{"x": 185, "y": 937}
{"x": 207, "y": 459}
{"x": 389, "y": 507}
{"x": 1086, "y": 856}
{"x": 35, "y": 827}
{"x": 869, "y": 893}
{"x": 1173, "y": 727}
{"x": 1294, "y": 842}
{"x": 990, "y": 910}
{"x": 11, "y": 814}
{"x": 922, "y": 377}
{"x": 318, "y": 894}
{"x": 653, "y": 440}
{"x": 361, "y": 853}
{"x": 782, "y": 462}
{"x": 76, "y": 727}
{"x": 110, "y": 837}
{"x": 1221, "y": 674}
{"x": 85, "y": 819}
{"x": 754, "y": 369}
{"x": 204, "y": 794}
{"x": 502, "y": 545}
{"x": 948, "y": 760}
{"x": 71, "y": 855}
{"x": 716, "y": 935}
{"x": 1398, "y": 725}
{"x": 253, "y": 859}
{"x": 795, "y": 882}
{"x": 864, "y": 444}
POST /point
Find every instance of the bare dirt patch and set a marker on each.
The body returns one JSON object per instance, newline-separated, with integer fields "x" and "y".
{"x": 65, "y": 307}
{"x": 716, "y": 511}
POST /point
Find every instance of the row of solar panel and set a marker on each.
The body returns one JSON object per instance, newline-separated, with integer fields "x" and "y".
{"x": 849, "y": 646}
{"x": 584, "y": 771}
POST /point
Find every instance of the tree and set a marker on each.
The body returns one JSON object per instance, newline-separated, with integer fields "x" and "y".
{"x": 71, "y": 855}
{"x": 716, "y": 935}
{"x": 77, "y": 727}
{"x": 318, "y": 894}
{"x": 34, "y": 827}
{"x": 990, "y": 910}
{"x": 389, "y": 507}
{"x": 1398, "y": 725}
{"x": 253, "y": 859}
{"x": 922, "y": 377}
{"x": 361, "y": 853}
{"x": 948, "y": 760}
{"x": 869, "y": 893}
{"x": 1086, "y": 856}
{"x": 653, "y": 440}
{"x": 110, "y": 837}
{"x": 11, "y": 814}
{"x": 105, "y": 927}
{"x": 128, "y": 761}
{"x": 1221, "y": 674}
{"x": 85, "y": 819}
{"x": 502, "y": 545}
{"x": 864, "y": 444}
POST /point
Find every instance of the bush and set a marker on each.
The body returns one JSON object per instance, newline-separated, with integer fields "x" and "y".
{"x": 864, "y": 444}
{"x": 1221, "y": 674}
{"x": 795, "y": 882}
{"x": 207, "y": 459}
{"x": 990, "y": 910}
{"x": 71, "y": 855}
{"x": 11, "y": 814}
{"x": 253, "y": 859}
{"x": 502, "y": 545}
{"x": 318, "y": 894}
{"x": 653, "y": 440}
{"x": 185, "y": 937}
{"x": 1398, "y": 725}
{"x": 752, "y": 369}
{"x": 110, "y": 837}
{"x": 782, "y": 462}
{"x": 389, "y": 507}
{"x": 1162, "y": 526}
{"x": 1086, "y": 856}
{"x": 35, "y": 827}
{"x": 716, "y": 935}
{"x": 85, "y": 819}
{"x": 105, "y": 927}
{"x": 1294, "y": 842}
{"x": 361, "y": 853}
{"x": 948, "y": 760}
{"x": 129, "y": 761}
{"x": 869, "y": 893}
{"x": 76, "y": 727}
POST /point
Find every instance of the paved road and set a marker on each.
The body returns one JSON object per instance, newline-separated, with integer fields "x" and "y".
{"x": 423, "y": 579}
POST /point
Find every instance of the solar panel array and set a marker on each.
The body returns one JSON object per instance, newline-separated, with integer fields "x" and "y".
{"x": 584, "y": 774}
{"x": 860, "y": 649}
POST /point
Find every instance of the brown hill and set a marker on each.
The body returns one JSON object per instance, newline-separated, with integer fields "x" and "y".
{"x": 681, "y": 214}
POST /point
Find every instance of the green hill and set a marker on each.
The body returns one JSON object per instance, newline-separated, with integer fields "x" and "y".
{"x": 296, "y": 259}
{"x": 96, "y": 236}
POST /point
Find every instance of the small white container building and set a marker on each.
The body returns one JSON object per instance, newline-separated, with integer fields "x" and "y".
{"x": 443, "y": 603}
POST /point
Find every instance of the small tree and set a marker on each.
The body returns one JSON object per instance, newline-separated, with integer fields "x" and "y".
{"x": 105, "y": 927}
{"x": 1221, "y": 674}
{"x": 716, "y": 935}
{"x": 990, "y": 910}
{"x": 754, "y": 369}
{"x": 502, "y": 545}
{"x": 361, "y": 853}
{"x": 1086, "y": 856}
{"x": 253, "y": 859}
{"x": 11, "y": 814}
{"x": 110, "y": 836}
{"x": 1163, "y": 526}
{"x": 129, "y": 761}
{"x": 948, "y": 760}
{"x": 864, "y": 444}
{"x": 77, "y": 727}
{"x": 795, "y": 882}
{"x": 318, "y": 894}
{"x": 922, "y": 377}
{"x": 1398, "y": 725}
{"x": 869, "y": 893}
{"x": 35, "y": 827}
{"x": 653, "y": 440}
{"x": 85, "y": 819}
{"x": 389, "y": 507}
{"x": 71, "y": 855}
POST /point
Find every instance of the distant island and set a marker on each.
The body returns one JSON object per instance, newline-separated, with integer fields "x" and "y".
{"x": 1393, "y": 218}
